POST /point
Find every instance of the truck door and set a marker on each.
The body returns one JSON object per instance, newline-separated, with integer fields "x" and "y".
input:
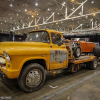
{"x": 58, "y": 54}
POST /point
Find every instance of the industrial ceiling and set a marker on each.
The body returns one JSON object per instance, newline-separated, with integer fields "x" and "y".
{"x": 22, "y": 16}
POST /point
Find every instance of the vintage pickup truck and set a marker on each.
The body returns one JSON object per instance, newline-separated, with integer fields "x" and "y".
{"x": 42, "y": 51}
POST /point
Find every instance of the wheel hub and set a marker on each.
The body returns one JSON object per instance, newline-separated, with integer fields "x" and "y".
{"x": 78, "y": 52}
{"x": 95, "y": 63}
{"x": 34, "y": 78}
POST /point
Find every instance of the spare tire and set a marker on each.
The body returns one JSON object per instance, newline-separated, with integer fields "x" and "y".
{"x": 77, "y": 52}
{"x": 96, "y": 51}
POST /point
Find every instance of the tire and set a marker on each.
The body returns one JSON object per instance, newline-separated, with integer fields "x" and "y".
{"x": 30, "y": 73}
{"x": 93, "y": 64}
{"x": 77, "y": 52}
{"x": 96, "y": 51}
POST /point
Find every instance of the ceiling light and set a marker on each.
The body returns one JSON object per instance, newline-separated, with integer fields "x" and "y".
{"x": 10, "y": 5}
{"x": 86, "y": 17}
{"x": 5, "y": 20}
{"x": 25, "y": 9}
{"x": 48, "y": 9}
{"x": 36, "y": 4}
{"x": 92, "y": 2}
{"x": 94, "y": 14}
{"x": 32, "y": 16}
{"x": 72, "y": 0}
{"x": 56, "y": 23}
{"x": 61, "y": 22}
{"x": 73, "y": 8}
{"x": 10, "y": 18}
{"x": 17, "y": 14}
{"x": 1, "y": 23}
{"x": 58, "y": 13}
{"x": 37, "y": 14}
{"x": 63, "y": 4}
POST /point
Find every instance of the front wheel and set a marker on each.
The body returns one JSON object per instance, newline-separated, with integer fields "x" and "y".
{"x": 32, "y": 77}
{"x": 77, "y": 52}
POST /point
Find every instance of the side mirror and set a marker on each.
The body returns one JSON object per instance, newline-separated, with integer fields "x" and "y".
{"x": 61, "y": 42}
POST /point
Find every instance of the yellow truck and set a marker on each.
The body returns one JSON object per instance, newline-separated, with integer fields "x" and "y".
{"x": 41, "y": 52}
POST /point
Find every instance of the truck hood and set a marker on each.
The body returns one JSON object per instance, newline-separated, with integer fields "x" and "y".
{"x": 19, "y": 47}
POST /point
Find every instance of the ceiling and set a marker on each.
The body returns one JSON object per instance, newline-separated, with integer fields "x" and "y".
{"x": 19, "y": 14}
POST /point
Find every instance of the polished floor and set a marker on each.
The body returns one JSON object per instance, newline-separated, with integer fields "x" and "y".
{"x": 82, "y": 85}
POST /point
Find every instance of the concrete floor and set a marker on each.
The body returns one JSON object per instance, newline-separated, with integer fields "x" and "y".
{"x": 82, "y": 85}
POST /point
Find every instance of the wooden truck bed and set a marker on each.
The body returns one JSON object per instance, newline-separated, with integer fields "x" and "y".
{"x": 83, "y": 59}
{"x": 75, "y": 63}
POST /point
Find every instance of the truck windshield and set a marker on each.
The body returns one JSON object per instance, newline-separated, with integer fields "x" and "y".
{"x": 38, "y": 36}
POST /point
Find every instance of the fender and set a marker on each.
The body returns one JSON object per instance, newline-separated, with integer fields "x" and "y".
{"x": 33, "y": 58}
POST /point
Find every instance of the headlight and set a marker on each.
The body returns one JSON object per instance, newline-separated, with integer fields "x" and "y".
{"x": 6, "y": 55}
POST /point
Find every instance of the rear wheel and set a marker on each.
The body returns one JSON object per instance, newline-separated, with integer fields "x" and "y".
{"x": 32, "y": 77}
{"x": 96, "y": 51}
{"x": 93, "y": 64}
{"x": 77, "y": 52}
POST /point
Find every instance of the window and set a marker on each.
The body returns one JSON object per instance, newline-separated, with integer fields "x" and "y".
{"x": 38, "y": 36}
{"x": 56, "y": 38}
